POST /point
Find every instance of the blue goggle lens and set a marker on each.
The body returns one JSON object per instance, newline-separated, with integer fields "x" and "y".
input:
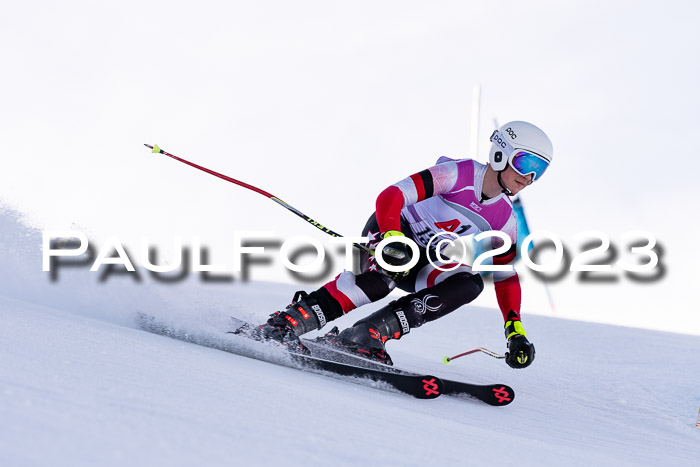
{"x": 526, "y": 163}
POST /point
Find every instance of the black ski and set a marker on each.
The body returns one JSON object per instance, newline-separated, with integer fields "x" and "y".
{"x": 421, "y": 386}
{"x": 492, "y": 394}
{"x": 416, "y": 385}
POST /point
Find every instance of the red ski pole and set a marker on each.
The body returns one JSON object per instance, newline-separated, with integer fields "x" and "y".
{"x": 446, "y": 360}
{"x": 157, "y": 150}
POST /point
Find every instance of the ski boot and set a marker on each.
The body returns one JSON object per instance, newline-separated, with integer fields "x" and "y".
{"x": 301, "y": 316}
{"x": 367, "y": 337}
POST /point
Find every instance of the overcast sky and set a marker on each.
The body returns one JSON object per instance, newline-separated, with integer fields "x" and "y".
{"x": 326, "y": 103}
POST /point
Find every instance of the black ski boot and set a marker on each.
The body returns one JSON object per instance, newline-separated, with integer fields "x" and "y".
{"x": 285, "y": 327}
{"x": 367, "y": 337}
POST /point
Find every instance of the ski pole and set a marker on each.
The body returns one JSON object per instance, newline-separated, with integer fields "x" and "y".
{"x": 446, "y": 360}
{"x": 157, "y": 150}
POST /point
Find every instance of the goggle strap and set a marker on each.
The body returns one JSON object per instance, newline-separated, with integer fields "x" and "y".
{"x": 499, "y": 140}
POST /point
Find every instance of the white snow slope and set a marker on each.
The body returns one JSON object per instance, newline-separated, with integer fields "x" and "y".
{"x": 80, "y": 385}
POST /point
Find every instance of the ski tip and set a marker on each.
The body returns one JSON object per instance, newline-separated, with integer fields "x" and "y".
{"x": 446, "y": 360}
{"x": 502, "y": 395}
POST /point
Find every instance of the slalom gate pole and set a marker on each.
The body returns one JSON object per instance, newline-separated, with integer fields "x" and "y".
{"x": 156, "y": 150}
{"x": 446, "y": 360}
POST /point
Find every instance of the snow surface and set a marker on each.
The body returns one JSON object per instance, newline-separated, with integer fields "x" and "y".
{"x": 80, "y": 385}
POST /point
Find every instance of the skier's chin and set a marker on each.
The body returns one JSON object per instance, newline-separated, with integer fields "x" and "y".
{"x": 517, "y": 187}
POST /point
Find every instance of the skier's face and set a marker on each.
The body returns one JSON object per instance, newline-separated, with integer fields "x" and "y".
{"x": 514, "y": 181}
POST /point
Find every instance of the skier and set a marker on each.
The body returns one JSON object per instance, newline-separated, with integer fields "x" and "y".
{"x": 463, "y": 197}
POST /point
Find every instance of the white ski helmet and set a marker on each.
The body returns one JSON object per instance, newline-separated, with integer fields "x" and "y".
{"x": 518, "y": 138}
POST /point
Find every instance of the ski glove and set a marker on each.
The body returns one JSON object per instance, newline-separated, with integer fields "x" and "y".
{"x": 521, "y": 352}
{"x": 396, "y": 254}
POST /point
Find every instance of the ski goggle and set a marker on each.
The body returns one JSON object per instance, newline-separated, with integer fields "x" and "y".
{"x": 522, "y": 161}
{"x": 526, "y": 163}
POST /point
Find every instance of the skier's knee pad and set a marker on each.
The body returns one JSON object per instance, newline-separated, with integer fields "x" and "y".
{"x": 466, "y": 286}
{"x": 437, "y": 301}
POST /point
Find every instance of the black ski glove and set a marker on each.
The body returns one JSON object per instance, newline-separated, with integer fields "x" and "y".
{"x": 520, "y": 353}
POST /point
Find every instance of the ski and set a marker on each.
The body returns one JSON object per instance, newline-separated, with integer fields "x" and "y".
{"x": 421, "y": 386}
{"x": 492, "y": 394}
{"x": 416, "y": 385}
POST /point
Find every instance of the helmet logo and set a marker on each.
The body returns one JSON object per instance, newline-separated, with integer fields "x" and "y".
{"x": 511, "y": 133}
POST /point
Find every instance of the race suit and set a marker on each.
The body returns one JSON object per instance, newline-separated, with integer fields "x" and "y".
{"x": 444, "y": 198}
